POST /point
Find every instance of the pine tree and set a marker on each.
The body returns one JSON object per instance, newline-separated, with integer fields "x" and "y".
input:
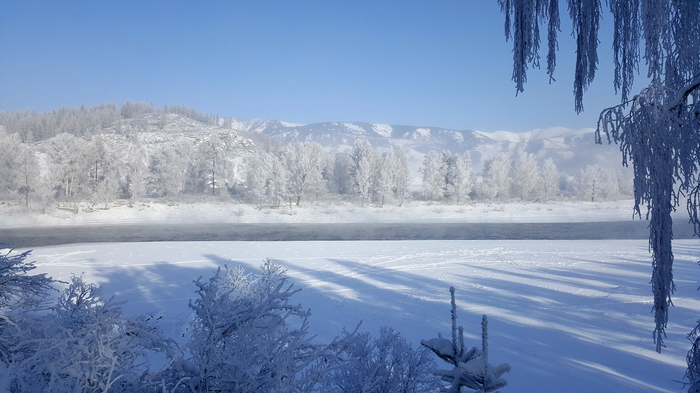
{"x": 470, "y": 368}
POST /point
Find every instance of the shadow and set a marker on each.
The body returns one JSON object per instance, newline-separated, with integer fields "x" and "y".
{"x": 576, "y": 321}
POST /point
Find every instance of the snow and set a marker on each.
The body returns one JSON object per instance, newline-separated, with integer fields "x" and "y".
{"x": 566, "y": 315}
{"x": 442, "y": 345}
{"x": 288, "y": 124}
{"x": 355, "y": 129}
{"x": 384, "y": 130}
{"x": 422, "y": 133}
{"x": 227, "y": 211}
{"x": 504, "y": 136}
{"x": 554, "y": 132}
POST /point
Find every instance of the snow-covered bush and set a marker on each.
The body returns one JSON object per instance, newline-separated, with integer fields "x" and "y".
{"x": 247, "y": 337}
{"x": 83, "y": 345}
{"x": 19, "y": 292}
{"x": 471, "y": 368}
{"x": 17, "y": 289}
{"x": 387, "y": 364}
{"x": 692, "y": 374}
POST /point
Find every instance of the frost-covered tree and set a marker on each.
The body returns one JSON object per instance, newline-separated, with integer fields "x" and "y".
{"x": 132, "y": 167}
{"x": 549, "y": 175}
{"x": 29, "y": 172}
{"x": 248, "y": 337}
{"x": 382, "y": 179}
{"x": 19, "y": 167}
{"x": 258, "y": 175}
{"x": 103, "y": 177}
{"x": 84, "y": 345}
{"x": 470, "y": 368}
{"x": 304, "y": 163}
{"x": 496, "y": 180}
{"x": 20, "y": 293}
{"x": 525, "y": 177}
{"x": 460, "y": 177}
{"x": 342, "y": 181}
{"x": 69, "y": 166}
{"x": 9, "y": 163}
{"x": 221, "y": 156}
{"x": 595, "y": 183}
{"x": 18, "y": 289}
{"x": 130, "y": 110}
{"x": 399, "y": 174}
{"x": 434, "y": 176}
{"x": 278, "y": 183}
{"x": 364, "y": 169}
{"x": 387, "y": 364}
{"x": 658, "y": 129}
{"x": 168, "y": 168}
{"x": 210, "y": 166}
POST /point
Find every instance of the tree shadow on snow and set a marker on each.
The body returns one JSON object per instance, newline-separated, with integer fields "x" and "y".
{"x": 553, "y": 325}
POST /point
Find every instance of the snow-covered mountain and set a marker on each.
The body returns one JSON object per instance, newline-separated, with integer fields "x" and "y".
{"x": 150, "y": 131}
{"x": 571, "y": 150}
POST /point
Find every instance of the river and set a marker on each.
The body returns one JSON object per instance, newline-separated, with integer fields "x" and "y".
{"x": 27, "y": 237}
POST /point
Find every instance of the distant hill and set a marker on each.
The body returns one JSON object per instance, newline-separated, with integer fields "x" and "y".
{"x": 571, "y": 150}
{"x": 141, "y": 124}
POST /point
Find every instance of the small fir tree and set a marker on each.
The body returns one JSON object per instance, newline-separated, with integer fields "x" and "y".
{"x": 471, "y": 368}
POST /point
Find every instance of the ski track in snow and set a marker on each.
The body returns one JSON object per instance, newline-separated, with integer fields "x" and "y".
{"x": 569, "y": 316}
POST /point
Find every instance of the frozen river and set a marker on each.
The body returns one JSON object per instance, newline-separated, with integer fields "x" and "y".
{"x": 22, "y": 237}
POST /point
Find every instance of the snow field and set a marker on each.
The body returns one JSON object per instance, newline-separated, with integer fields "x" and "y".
{"x": 570, "y": 316}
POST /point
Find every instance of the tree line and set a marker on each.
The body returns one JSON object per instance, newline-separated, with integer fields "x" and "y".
{"x": 519, "y": 176}
{"x": 86, "y": 121}
{"x": 102, "y": 168}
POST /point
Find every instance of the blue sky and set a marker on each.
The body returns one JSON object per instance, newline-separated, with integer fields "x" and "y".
{"x": 425, "y": 63}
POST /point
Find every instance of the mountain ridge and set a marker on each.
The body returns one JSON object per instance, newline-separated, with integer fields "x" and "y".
{"x": 570, "y": 150}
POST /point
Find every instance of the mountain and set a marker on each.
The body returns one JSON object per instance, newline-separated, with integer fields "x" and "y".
{"x": 570, "y": 150}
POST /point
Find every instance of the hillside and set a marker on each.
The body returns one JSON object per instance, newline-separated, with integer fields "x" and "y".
{"x": 140, "y": 127}
{"x": 571, "y": 150}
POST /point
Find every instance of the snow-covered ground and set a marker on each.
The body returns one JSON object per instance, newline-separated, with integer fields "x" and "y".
{"x": 568, "y": 316}
{"x": 318, "y": 212}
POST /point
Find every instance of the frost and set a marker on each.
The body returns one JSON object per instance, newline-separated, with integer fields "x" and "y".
{"x": 441, "y": 346}
{"x": 471, "y": 368}
{"x": 422, "y": 133}
{"x": 658, "y": 129}
{"x": 355, "y": 129}
{"x": 384, "y": 130}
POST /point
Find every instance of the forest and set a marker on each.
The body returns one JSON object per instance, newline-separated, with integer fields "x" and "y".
{"x": 106, "y": 153}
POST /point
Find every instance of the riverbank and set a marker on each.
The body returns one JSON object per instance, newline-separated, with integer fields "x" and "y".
{"x": 226, "y": 211}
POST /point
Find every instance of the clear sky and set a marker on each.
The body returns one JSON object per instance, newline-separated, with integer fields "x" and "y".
{"x": 438, "y": 63}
